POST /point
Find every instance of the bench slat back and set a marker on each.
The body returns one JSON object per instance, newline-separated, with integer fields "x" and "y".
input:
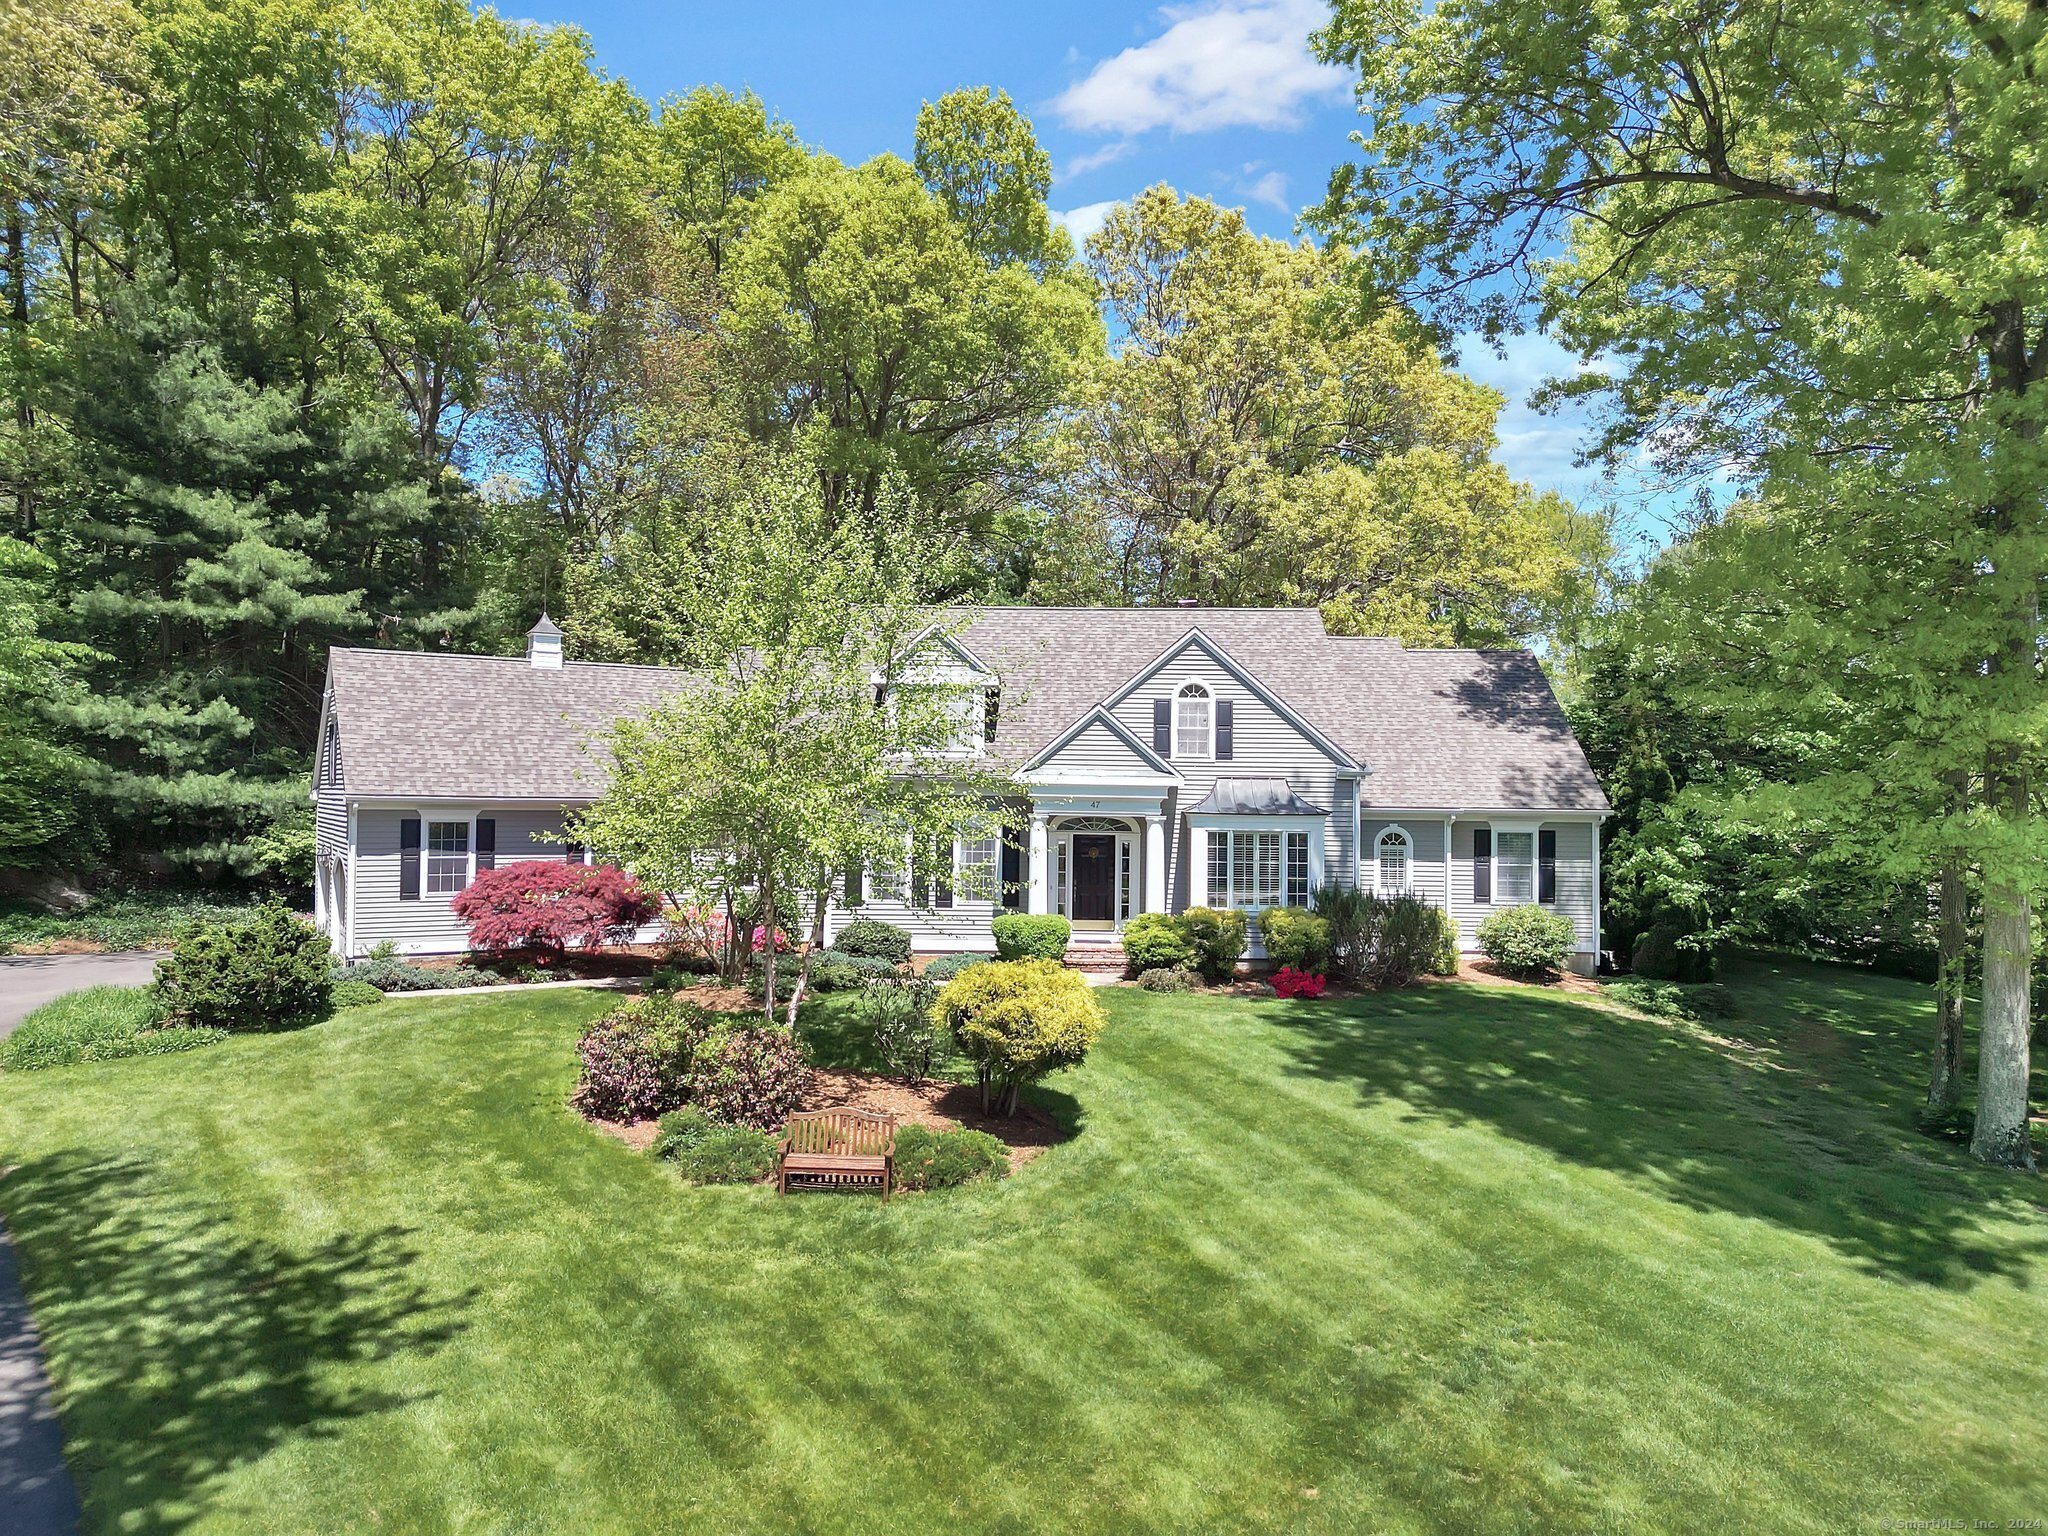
{"x": 847, "y": 1132}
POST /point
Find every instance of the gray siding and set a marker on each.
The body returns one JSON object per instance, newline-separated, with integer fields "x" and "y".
{"x": 1264, "y": 745}
{"x": 330, "y": 824}
{"x": 1425, "y": 853}
{"x": 1099, "y": 752}
{"x": 428, "y": 925}
{"x": 1576, "y": 894}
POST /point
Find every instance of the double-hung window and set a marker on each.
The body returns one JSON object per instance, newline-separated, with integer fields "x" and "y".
{"x": 447, "y": 857}
{"x": 1193, "y": 721}
{"x": 1514, "y": 868}
{"x": 1258, "y": 869}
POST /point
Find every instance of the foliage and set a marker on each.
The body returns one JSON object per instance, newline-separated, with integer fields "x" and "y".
{"x": 943, "y": 968}
{"x": 749, "y": 1076}
{"x": 1031, "y": 936}
{"x": 1218, "y": 939}
{"x": 837, "y": 972}
{"x": 1253, "y": 442}
{"x": 929, "y": 1159}
{"x": 392, "y": 975}
{"x": 45, "y": 821}
{"x": 355, "y": 994}
{"x": 97, "y": 1024}
{"x": 1382, "y": 942}
{"x": 1295, "y": 938}
{"x": 1017, "y": 1020}
{"x": 1840, "y": 324}
{"x": 638, "y": 1060}
{"x": 1289, "y": 982}
{"x": 871, "y": 937}
{"x": 775, "y": 773}
{"x": 1157, "y": 941}
{"x": 1528, "y": 940}
{"x": 546, "y": 906}
{"x": 125, "y": 920}
{"x": 1669, "y": 952}
{"x": 1702, "y": 1002}
{"x": 1174, "y": 978}
{"x": 898, "y": 1018}
{"x": 269, "y": 971}
{"x": 705, "y": 1151}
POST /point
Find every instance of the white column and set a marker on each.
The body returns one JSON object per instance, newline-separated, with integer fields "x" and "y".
{"x": 1155, "y": 864}
{"x": 1035, "y": 898}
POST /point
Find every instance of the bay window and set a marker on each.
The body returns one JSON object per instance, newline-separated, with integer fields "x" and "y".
{"x": 1259, "y": 867}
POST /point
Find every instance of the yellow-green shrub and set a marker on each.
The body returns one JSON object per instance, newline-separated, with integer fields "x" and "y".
{"x": 1017, "y": 1020}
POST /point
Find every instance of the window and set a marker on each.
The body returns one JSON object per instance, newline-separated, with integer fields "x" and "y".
{"x": 1123, "y": 878}
{"x": 1059, "y": 885}
{"x": 447, "y": 857}
{"x": 1393, "y": 862}
{"x": 1514, "y": 868}
{"x": 1191, "y": 720}
{"x": 1258, "y": 869}
{"x": 978, "y": 869}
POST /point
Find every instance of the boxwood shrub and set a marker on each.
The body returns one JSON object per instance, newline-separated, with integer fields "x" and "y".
{"x": 355, "y": 994}
{"x": 929, "y": 1159}
{"x": 1296, "y": 939}
{"x": 1031, "y": 936}
{"x": 1156, "y": 941}
{"x": 879, "y": 940}
{"x": 1528, "y": 940}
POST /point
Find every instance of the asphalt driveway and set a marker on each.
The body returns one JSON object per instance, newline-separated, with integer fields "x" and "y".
{"x": 29, "y": 981}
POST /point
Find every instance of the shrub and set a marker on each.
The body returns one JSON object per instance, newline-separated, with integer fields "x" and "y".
{"x": 1669, "y": 952}
{"x": 706, "y": 1152}
{"x": 96, "y": 1024}
{"x": 1528, "y": 940}
{"x": 1295, "y": 938}
{"x": 1218, "y": 937}
{"x": 879, "y": 940}
{"x": 1668, "y": 1000}
{"x": 929, "y": 1159}
{"x": 832, "y": 971}
{"x": 946, "y": 967}
{"x": 1288, "y": 982}
{"x": 271, "y": 971}
{"x": 898, "y": 1015}
{"x": 749, "y": 1075}
{"x": 1411, "y": 937}
{"x": 355, "y": 994}
{"x": 1031, "y": 936}
{"x": 389, "y": 975}
{"x": 1155, "y": 941}
{"x": 1017, "y": 1020}
{"x": 1168, "y": 978}
{"x": 638, "y": 1059}
{"x": 545, "y": 907}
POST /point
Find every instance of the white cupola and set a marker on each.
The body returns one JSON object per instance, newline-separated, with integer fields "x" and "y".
{"x": 544, "y": 644}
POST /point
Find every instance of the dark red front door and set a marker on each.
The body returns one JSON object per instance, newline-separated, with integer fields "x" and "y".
{"x": 1094, "y": 878}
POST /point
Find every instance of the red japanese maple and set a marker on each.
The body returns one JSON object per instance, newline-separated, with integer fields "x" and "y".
{"x": 545, "y": 907}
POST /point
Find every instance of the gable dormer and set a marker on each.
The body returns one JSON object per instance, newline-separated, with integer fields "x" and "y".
{"x": 1195, "y": 706}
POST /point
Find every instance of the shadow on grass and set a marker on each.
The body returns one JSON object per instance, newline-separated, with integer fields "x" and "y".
{"x": 154, "y": 1313}
{"x": 1796, "y": 1113}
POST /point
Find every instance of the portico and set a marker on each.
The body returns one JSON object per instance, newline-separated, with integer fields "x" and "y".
{"x": 1097, "y": 852}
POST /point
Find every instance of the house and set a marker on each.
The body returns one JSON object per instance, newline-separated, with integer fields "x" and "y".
{"x": 1164, "y": 758}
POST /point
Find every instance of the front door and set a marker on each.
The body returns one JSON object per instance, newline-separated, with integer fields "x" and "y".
{"x": 1094, "y": 878}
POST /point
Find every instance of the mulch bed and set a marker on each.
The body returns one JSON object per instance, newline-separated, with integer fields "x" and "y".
{"x": 942, "y": 1106}
{"x": 1486, "y": 974}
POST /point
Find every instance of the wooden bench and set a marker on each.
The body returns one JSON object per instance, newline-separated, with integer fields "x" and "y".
{"x": 838, "y": 1148}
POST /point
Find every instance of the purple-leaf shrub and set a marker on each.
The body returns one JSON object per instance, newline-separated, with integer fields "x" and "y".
{"x": 756, "y": 1077}
{"x": 637, "y": 1059}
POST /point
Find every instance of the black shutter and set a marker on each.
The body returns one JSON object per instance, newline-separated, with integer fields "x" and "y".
{"x": 1482, "y": 864}
{"x": 1162, "y": 726}
{"x": 1013, "y": 871}
{"x": 486, "y": 842}
{"x": 409, "y": 859}
{"x": 942, "y": 872}
{"x": 853, "y": 884}
{"x": 1225, "y": 709}
{"x": 1546, "y": 866}
{"x": 991, "y": 713}
{"x": 572, "y": 853}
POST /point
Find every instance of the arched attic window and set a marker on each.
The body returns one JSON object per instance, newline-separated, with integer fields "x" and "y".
{"x": 1193, "y": 722}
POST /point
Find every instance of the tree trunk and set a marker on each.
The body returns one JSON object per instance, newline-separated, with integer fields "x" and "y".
{"x": 1945, "y": 1082}
{"x": 803, "y": 976}
{"x": 766, "y": 923}
{"x": 2003, "y": 1052}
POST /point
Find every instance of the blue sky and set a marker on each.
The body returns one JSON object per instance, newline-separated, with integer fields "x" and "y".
{"x": 1218, "y": 97}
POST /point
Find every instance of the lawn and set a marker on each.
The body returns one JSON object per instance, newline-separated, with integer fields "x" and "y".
{"x": 1459, "y": 1258}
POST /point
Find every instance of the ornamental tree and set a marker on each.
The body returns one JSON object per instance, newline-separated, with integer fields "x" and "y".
{"x": 545, "y": 907}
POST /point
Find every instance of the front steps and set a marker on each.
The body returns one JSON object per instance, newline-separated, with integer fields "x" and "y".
{"x": 1096, "y": 957}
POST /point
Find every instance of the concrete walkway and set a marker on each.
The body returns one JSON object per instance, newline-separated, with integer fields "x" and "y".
{"x": 29, "y": 981}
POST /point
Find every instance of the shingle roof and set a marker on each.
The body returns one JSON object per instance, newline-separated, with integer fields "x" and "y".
{"x": 1452, "y": 730}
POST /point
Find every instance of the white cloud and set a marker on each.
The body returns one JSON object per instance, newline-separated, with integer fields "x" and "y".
{"x": 1222, "y": 64}
{"x": 1255, "y": 184}
{"x": 1083, "y": 221}
{"x": 1096, "y": 159}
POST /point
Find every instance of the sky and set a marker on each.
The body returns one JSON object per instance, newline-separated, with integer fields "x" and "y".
{"x": 1217, "y": 97}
